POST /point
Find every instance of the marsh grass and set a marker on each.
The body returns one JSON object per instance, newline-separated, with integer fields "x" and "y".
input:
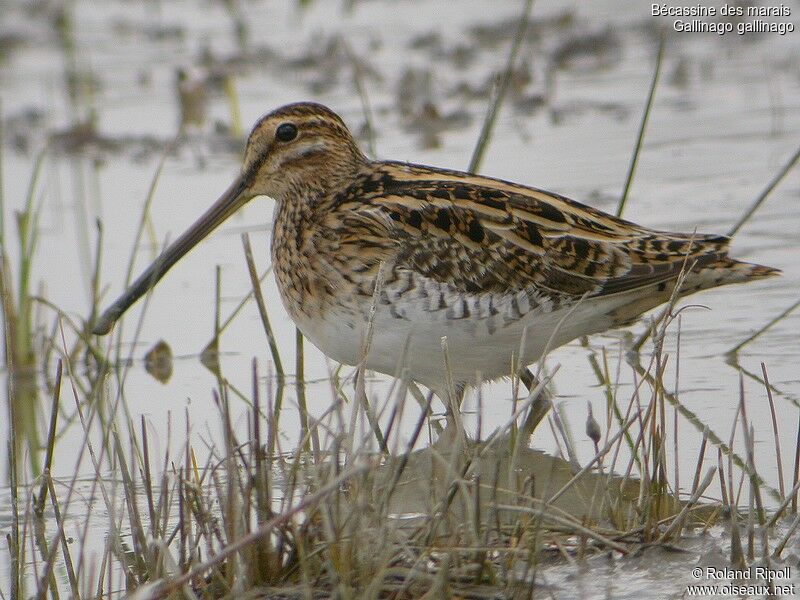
{"x": 337, "y": 517}
{"x": 19, "y": 327}
{"x": 340, "y": 515}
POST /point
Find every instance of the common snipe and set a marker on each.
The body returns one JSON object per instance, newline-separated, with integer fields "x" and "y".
{"x": 480, "y": 261}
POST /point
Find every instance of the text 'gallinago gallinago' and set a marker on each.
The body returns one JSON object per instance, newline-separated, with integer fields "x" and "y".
{"x": 481, "y": 261}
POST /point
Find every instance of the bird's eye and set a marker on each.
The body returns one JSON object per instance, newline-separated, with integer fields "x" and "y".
{"x": 286, "y": 132}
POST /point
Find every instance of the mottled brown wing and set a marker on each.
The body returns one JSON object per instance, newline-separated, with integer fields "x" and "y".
{"x": 483, "y": 234}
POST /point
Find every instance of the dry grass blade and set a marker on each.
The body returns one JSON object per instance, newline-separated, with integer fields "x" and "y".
{"x": 787, "y": 500}
{"x": 779, "y": 462}
{"x": 787, "y": 536}
{"x": 14, "y": 539}
{"x": 165, "y": 588}
{"x": 71, "y": 576}
{"x": 361, "y": 393}
{"x": 677, "y": 522}
{"x": 609, "y": 444}
{"x": 262, "y": 307}
{"x": 796, "y": 470}
{"x": 577, "y": 527}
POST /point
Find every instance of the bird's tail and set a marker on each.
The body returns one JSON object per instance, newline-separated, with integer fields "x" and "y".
{"x": 722, "y": 271}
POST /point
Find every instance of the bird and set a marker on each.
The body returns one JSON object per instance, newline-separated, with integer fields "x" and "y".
{"x": 377, "y": 262}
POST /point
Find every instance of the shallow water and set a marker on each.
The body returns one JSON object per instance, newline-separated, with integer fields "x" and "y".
{"x": 725, "y": 119}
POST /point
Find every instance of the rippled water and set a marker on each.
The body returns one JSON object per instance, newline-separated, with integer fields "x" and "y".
{"x": 725, "y": 119}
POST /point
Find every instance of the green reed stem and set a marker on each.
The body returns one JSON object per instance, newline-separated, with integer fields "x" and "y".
{"x": 229, "y": 84}
{"x": 642, "y": 128}
{"x": 366, "y": 108}
{"x": 765, "y": 193}
{"x": 500, "y": 91}
{"x": 51, "y": 439}
{"x": 777, "y": 319}
{"x": 145, "y": 215}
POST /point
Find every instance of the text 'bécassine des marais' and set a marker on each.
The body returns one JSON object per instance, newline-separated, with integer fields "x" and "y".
{"x": 700, "y": 24}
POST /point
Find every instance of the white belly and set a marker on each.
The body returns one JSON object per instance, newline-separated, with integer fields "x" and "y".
{"x": 483, "y": 337}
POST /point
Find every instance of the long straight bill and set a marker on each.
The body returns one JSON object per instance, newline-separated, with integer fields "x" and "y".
{"x": 230, "y": 201}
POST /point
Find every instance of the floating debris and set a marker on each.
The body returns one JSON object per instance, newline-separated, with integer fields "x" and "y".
{"x": 588, "y": 52}
{"x": 158, "y": 362}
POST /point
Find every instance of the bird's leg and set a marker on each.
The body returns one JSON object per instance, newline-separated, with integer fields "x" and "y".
{"x": 454, "y": 428}
{"x": 454, "y": 405}
{"x": 361, "y": 396}
{"x": 538, "y": 408}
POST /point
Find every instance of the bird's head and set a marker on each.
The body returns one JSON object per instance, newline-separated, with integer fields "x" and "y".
{"x": 297, "y": 149}
{"x": 293, "y": 153}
